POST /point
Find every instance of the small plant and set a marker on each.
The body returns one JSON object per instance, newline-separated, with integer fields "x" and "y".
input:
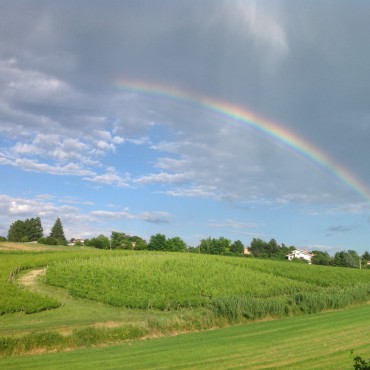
{"x": 360, "y": 363}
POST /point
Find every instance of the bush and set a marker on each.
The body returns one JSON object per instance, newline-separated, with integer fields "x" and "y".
{"x": 360, "y": 363}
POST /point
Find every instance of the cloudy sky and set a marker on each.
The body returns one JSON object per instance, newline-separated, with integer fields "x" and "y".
{"x": 105, "y": 119}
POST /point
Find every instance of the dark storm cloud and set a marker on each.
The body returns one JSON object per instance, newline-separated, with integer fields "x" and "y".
{"x": 303, "y": 65}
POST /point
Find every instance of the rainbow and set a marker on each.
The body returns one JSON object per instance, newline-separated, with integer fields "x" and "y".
{"x": 250, "y": 119}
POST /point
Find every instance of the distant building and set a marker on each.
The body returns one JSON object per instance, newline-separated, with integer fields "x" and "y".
{"x": 74, "y": 241}
{"x": 300, "y": 254}
{"x": 247, "y": 251}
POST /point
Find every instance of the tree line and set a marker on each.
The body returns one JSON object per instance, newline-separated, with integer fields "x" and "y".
{"x": 30, "y": 230}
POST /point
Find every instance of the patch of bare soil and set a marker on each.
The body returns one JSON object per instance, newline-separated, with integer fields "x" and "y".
{"x": 108, "y": 324}
{"x": 30, "y": 277}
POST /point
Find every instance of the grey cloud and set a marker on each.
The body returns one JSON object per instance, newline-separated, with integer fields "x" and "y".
{"x": 152, "y": 217}
{"x": 340, "y": 228}
{"x": 304, "y": 66}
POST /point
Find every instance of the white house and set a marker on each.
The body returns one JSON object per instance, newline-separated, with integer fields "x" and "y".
{"x": 74, "y": 241}
{"x": 301, "y": 254}
{"x": 247, "y": 251}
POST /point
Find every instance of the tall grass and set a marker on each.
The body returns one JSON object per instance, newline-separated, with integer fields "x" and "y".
{"x": 52, "y": 340}
{"x": 233, "y": 288}
{"x": 16, "y": 298}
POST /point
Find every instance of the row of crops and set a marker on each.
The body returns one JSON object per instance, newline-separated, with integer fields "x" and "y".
{"x": 232, "y": 287}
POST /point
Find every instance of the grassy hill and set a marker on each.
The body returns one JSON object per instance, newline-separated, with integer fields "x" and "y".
{"x": 62, "y": 298}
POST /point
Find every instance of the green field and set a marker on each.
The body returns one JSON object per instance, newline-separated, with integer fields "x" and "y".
{"x": 319, "y": 341}
{"x": 81, "y": 299}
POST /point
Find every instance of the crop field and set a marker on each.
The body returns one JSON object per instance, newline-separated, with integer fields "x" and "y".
{"x": 231, "y": 286}
{"x": 14, "y": 298}
{"x": 82, "y": 297}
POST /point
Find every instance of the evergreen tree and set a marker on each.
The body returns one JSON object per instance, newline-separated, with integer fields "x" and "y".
{"x": 57, "y": 232}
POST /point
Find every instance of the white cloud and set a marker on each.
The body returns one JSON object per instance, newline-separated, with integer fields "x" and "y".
{"x": 111, "y": 177}
{"x": 353, "y": 208}
{"x": 194, "y": 192}
{"x": 165, "y": 178}
{"x": 76, "y": 222}
{"x": 153, "y": 217}
{"x": 233, "y": 224}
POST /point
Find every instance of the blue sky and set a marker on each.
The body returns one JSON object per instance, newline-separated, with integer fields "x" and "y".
{"x": 76, "y": 144}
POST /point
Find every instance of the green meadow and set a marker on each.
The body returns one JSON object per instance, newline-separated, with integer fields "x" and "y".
{"x": 319, "y": 341}
{"x": 79, "y": 307}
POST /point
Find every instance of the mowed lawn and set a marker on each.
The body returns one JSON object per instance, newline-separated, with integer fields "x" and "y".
{"x": 319, "y": 341}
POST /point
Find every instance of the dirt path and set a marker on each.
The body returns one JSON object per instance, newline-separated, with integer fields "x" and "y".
{"x": 30, "y": 277}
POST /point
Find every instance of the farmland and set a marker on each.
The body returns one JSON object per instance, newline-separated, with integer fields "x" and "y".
{"x": 88, "y": 297}
{"x": 254, "y": 288}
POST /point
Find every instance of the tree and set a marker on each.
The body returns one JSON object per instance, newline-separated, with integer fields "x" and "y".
{"x": 283, "y": 251}
{"x": 101, "y": 242}
{"x": 157, "y": 242}
{"x": 214, "y": 246}
{"x": 176, "y": 244}
{"x": 320, "y": 258}
{"x": 272, "y": 248}
{"x": 352, "y": 259}
{"x": 124, "y": 241}
{"x": 138, "y": 243}
{"x": 120, "y": 241}
{"x": 205, "y": 245}
{"x": 57, "y": 232}
{"x": 16, "y": 231}
{"x": 28, "y": 230}
{"x": 237, "y": 247}
{"x": 33, "y": 228}
{"x": 258, "y": 247}
{"x": 365, "y": 259}
{"x": 346, "y": 259}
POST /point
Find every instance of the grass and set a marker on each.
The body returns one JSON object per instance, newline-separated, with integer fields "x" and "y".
{"x": 236, "y": 288}
{"x": 78, "y": 322}
{"x": 319, "y": 341}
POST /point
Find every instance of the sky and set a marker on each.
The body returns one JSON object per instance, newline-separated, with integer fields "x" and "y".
{"x": 235, "y": 118}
